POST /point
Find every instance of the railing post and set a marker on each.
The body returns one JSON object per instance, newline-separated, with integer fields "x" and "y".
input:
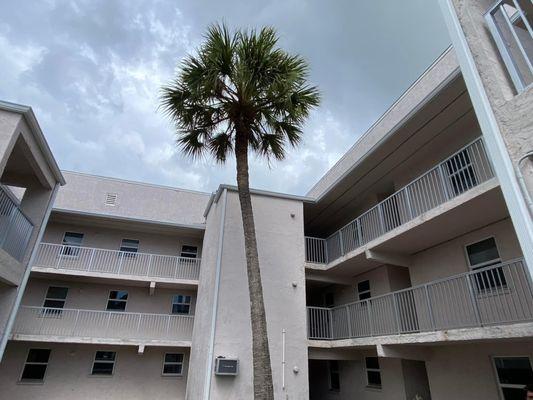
{"x": 430, "y": 309}
{"x": 61, "y": 250}
{"x": 381, "y": 218}
{"x": 396, "y": 312}
{"x": 408, "y": 202}
{"x": 176, "y": 266}
{"x": 444, "y": 182}
{"x": 360, "y": 231}
{"x": 341, "y": 242}
{"x": 349, "y": 321}
{"x": 91, "y": 260}
{"x": 473, "y": 300}
{"x": 149, "y": 264}
{"x": 325, "y": 242}
{"x": 107, "y": 323}
{"x": 139, "y": 326}
{"x": 75, "y": 323}
{"x": 121, "y": 255}
{"x": 43, "y": 317}
{"x": 370, "y": 324}
{"x": 168, "y": 326}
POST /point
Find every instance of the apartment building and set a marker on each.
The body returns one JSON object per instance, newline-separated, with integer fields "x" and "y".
{"x": 404, "y": 273}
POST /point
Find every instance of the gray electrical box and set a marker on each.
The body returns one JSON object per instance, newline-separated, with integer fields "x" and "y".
{"x": 226, "y": 366}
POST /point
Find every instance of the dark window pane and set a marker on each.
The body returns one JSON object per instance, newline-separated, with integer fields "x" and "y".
{"x": 38, "y": 355}
{"x": 490, "y": 279}
{"x": 364, "y": 296}
{"x": 482, "y": 252}
{"x": 329, "y": 299}
{"x": 363, "y": 286}
{"x": 513, "y": 394}
{"x": 180, "y": 308}
{"x": 118, "y": 295}
{"x": 334, "y": 365}
{"x": 101, "y": 368}
{"x": 173, "y": 357}
{"x": 129, "y": 245}
{"x": 73, "y": 239}
{"x": 33, "y": 372}
{"x": 105, "y": 356}
{"x": 54, "y": 303}
{"x": 372, "y": 362}
{"x": 374, "y": 378}
{"x": 55, "y": 292}
{"x": 334, "y": 381}
{"x": 189, "y": 251}
{"x": 113, "y": 305}
{"x": 514, "y": 370}
{"x": 172, "y": 369}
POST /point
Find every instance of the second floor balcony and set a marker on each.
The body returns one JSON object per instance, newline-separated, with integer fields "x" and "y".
{"x": 80, "y": 326}
{"x": 116, "y": 263}
{"x": 459, "y": 173}
{"x": 495, "y": 295}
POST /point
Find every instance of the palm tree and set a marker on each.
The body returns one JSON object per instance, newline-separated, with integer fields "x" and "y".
{"x": 242, "y": 93}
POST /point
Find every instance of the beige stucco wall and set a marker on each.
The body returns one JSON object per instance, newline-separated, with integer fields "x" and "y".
{"x": 107, "y": 238}
{"x": 92, "y": 296}
{"x": 136, "y": 376}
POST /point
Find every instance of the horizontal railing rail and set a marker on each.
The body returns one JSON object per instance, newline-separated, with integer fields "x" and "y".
{"x": 462, "y": 171}
{"x": 512, "y": 32}
{"x": 102, "y": 324}
{"x": 89, "y": 259}
{"x": 15, "y": 227}
{"x": 498, "y": 294}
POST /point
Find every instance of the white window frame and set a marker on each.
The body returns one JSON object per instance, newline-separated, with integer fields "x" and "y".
{"x": 378, "y": 370}
{"x": 105, "y": 362}
{"x": 53, "y": 311}
{"x": 75, "y": 252}
{"x": 486, "y": 263}
{"x": 184, "y": 296}
{"x": 332, "y": 371}
{"x": 163, "y": 373}
{"x": 128, "y": 246}
{"x": 188, "y": 252}
{"x": 369, "y": 291}
{"x": 120, "y": 300}
{"x": 507, "y": 385}
{"x": 26, "y": 362}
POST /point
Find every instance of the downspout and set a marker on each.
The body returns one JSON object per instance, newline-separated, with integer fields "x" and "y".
{"x": 522, "y": 181}
{"x": 505, "y": 171}
{"x": 214, "y": 312}
{"x": 26, "y": 276}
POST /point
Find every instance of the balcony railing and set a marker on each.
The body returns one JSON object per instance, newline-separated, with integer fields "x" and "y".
{"x": 15, "y": 228}
{"x": 72, "y": 323}
{"x": 121, "y": 263}
{"x": 509, "y": 22}
{"x": 498, "y": 294}
{"x": 457, "y": 174}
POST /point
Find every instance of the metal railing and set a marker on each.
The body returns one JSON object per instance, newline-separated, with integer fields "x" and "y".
{"x": 499, "y": 294}
{"x": 89, "y": 259}
{"x": 15, "y": 227}
{"x": 462, "y": 171}
{"x": 509, "y": 22}
{"x": 102, "y": 324}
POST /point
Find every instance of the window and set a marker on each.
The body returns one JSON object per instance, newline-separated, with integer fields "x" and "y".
{"x": 129, "y": 247}
{"x": 117, "y": 300}
{"x": 173, "y": 364}
{"x": 513, "y": 373}
{"x": 484, "y": 254}
{"x": 373, "y": 373}
{"x": 189, "y": 251}
{"x": 181, "y": 304}
{"x": 35, "y": 366}
{"x": 461, "y": 172}
{"x": 334, "y": 376}
{"x": 104, "y": 363}
{"x": 329, "y": 299}
{"x": 55, "y": 299}
{"x": 363, "y": 290}
{"x": 71, "y": 243}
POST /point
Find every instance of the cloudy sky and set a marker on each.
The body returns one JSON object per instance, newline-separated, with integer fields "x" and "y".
{"x": 92, "y": 70}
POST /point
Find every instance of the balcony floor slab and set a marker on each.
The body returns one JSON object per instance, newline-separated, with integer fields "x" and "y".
{"x": 94, "y": 340}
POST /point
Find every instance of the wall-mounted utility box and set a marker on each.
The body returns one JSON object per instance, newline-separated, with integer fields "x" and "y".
{"x": 226, "y": 366}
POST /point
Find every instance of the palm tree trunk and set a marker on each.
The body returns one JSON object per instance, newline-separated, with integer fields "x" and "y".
{"x": 263, "y": 387}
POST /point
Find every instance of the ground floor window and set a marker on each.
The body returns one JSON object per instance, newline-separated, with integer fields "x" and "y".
{"x": 373, "y": 372}
{"x": 104, "y": 363}
{"x": 35, "y": 365}
{"x": 513, "y": 374}
{"x": 334, "y": 375}
{"x": 173, "y": 364}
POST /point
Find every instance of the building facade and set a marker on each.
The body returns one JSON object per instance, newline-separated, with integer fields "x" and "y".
{"x": 404, "y": 273}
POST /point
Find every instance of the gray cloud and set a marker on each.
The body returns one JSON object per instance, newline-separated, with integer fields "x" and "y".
{"x": 92, "y": 71}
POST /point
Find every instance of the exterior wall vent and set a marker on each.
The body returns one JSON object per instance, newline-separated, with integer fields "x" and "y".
{"x": 111, "y": 199}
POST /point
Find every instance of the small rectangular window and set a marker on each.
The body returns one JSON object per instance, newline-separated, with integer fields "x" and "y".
{"x": 189, "y": 251}
{"x": 173, "y": 364}
{"x": 329, "y": 299}
{"x": 55, "y": 299}
{"x": 363, "y": 290}
{"x": 129, "y": 247}
{"x": 104, "y": 363}
{"x": 181, "y": 304}
{"x": 117, "y": 300}
{"x": 35, "y": 365}
{"x": 483, "y": 254}
{"x": 513, "y": 373}
{"x": 71, "y": 243}
{"x": 334, "y": 376}
{"x": 373, "y": 372}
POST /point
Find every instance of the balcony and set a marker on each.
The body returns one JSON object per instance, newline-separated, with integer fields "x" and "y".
{"x": 90, "y": 326}
{"x": 499, "y": 294}
{"x": 15, "y": 227}
{"x": 509, "y": 22}
{"x": 462, "y": 171}
{"x": 114, "y": 264}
